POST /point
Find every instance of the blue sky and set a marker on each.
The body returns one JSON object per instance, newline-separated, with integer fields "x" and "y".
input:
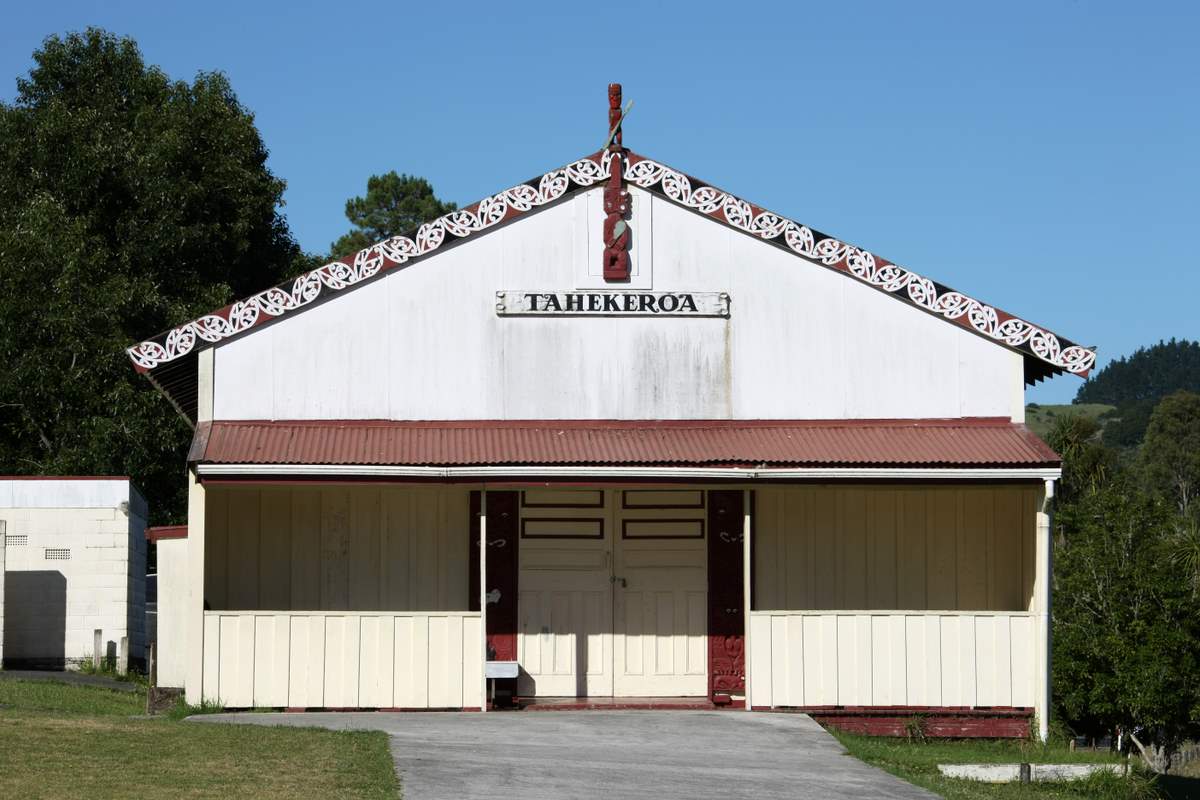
{"x": 1039, "y": 156}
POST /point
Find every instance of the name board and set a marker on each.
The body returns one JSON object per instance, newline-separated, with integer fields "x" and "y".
{"x": 610, "y": 303}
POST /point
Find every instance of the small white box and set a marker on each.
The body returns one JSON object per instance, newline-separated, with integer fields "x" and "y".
{"x": 501, "y": 669}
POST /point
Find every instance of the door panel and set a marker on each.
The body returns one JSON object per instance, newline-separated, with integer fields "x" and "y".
{"x": 564, "y": 641}
{"x": 660, "y": 570}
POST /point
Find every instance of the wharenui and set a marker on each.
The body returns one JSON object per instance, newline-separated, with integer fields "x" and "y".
{"x": 616, "y": 437}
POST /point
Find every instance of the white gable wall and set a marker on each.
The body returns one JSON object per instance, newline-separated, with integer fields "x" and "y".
{"x": 803, "y": 342}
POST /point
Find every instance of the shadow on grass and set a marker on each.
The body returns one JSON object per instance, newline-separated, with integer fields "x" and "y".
{"x": 1179, "y": 787}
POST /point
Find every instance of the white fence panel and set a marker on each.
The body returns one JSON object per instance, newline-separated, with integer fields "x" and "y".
{"x": 864, "y": 658}
{"x": 313, "y": 659}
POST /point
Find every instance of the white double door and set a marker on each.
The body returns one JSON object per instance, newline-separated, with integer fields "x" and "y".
{"x": 612, "y": 593}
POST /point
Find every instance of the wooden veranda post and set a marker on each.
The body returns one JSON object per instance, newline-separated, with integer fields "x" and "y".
{"x": 747, "y": 593}
{"x": 194, "y": 670}
{"x": 1041, "y": 606}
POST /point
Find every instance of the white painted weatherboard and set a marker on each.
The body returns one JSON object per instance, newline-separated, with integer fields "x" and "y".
{"x": 865, "y": 658}
{"x": 329, "y": 659}
{"x": 802, "y": 341}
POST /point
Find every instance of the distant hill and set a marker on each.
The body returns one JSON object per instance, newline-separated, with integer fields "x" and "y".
{"x": 1134, "y": 384}
{"x": 1041, "y": 418}
{"x": 1151, "y": 373}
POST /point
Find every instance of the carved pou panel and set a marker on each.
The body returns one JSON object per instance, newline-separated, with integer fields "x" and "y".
{"x": 502, "y": 564}
{"x": 616, "y": 197}
{"x": 726, "y": 620}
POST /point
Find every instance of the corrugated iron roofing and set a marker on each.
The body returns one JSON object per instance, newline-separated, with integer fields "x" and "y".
{"x": 958, "y": 442}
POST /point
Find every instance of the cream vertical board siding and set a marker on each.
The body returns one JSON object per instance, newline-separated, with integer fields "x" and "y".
{"x": 343, "y": 659}
{"x": 804, "y": 659}
{"x": 197, "y": 545}
{"x": 337, "y": 548}
{"x": 75, "y": 561}
{"x": 894, "y": 547}
{"x": 172, "y": 612}
{"x": 840, "y": 349}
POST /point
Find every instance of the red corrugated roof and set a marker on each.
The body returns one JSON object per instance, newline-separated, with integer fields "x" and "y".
{"x": 954, "y": 443}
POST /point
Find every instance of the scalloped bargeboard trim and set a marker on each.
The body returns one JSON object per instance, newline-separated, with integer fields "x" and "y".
{"x": 647, "y": 174}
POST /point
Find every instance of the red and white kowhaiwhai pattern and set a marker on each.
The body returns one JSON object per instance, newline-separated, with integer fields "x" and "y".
{"x": 647, "y": 174}
{"x": 337, "y": 275}
{"x": 859, "y": 263}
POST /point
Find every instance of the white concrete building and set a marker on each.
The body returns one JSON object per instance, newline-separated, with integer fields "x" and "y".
{"x": 75, "y": 561}
{"x": 685, "y": 450}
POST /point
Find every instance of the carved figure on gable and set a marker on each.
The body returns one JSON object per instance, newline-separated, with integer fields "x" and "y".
{"x": 617, "y": 201}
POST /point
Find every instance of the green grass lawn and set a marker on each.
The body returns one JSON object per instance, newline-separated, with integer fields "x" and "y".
{"x": 917, "y": 762}
{"x": 81, "y": 741}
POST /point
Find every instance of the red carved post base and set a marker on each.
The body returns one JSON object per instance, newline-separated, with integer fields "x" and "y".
{"x": 726, "y": 623}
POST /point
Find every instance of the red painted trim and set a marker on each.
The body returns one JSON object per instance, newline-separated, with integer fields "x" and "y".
{"x": 161, "y": 532}
{"x": 626, "y": 520}
{"x": 936, "y": 721}
{"x": 979, "y": 711}
{"x": 625, "y": 504}
{"x": 753, "y": 550}
{"x": 936, "y": 726}
{"x": 598, "y": 520}
{"x": 598, "y": 504}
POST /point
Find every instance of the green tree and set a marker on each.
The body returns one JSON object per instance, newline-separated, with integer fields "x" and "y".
{"x": 128, "y": 202}
{"x": 394, "y": 205}
{"x": 1170, "y": 455}
{"x": 1126, "y": 622}
{"x": 1087, "y": 464}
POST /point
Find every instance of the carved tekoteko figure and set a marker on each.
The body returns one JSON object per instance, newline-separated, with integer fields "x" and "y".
{"x": 616, "y": 199}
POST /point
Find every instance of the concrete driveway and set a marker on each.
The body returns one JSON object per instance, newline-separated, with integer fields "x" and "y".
{"x": 665, "y": 755}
